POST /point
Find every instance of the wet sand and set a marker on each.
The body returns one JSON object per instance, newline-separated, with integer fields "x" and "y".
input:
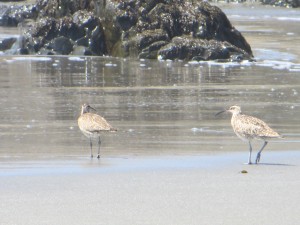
{"x": 152, "y": 190}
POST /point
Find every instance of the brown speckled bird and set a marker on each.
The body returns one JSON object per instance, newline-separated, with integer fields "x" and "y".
{"x": 92, "y": 124}
{"x": 248, "y": 128}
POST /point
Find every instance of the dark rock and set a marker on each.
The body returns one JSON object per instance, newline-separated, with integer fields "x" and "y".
{"x": 203, "y": 28}
{"x": 61, "y": 45}
{"x": 151, "y": 52}
{"x": 85, "y": 19}
{"x": 13, "y": 46}
{"x": 182, "y": 48}
{"x": 84, "y": 41}
{"x": 81, "y": 29}
{"x": 7, "y": 43}
{"x": 48, "y": 8}
{"x": 166, "y": 17}
{"x": 188, "y": 48}
{"x": 170, "y": 29}
{"x": 58, "y": 9}
{"x": 13, "y": 15}
{"x": 67, "y": 28}
{"x": 148, "y": 37}
{"x": 23, "y": 51}
{"x": 127, "y": 16}
{"x": 97, "y": 43}
{"x": 214, "y": 23}
{"x": 46, "y": 28}
{"x": 142, "y": 41}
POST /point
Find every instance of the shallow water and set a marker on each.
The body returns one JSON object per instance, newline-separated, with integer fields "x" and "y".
{"x": 159, "y": 107}
{"x": 273, "y": 32}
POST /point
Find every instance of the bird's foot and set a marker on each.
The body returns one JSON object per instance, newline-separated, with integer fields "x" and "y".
{"x": 257, "y": 158}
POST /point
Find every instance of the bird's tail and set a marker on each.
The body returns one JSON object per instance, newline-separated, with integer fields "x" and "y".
{"x": 113, "y": 129}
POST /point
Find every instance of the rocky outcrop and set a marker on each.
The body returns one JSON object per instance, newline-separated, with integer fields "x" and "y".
{"x": 15, "y": 14}
{"x": 188, "y": 48}
{"x": 183, "y": 30}
{"x": 166, "y": 29}
{"x": 7, "y": 43}
{"x": 62, "y": 36}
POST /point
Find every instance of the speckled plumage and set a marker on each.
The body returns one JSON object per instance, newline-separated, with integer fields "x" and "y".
{"x": 248, "y": 128}
{"x": 92, "y": 124}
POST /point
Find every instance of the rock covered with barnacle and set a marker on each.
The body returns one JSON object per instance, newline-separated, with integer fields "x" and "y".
{"x": 165, "y": 29}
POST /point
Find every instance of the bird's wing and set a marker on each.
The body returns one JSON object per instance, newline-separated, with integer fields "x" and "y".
{"x": 100, "y": 123}
{"x": 92, "y": 122}
{"x": 257, "y": 127}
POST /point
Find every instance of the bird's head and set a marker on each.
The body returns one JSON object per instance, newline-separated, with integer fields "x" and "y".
{"x": 86, "y": 108}
{"x": 235, "y": 110}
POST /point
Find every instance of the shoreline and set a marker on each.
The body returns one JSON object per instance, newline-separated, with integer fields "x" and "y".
{"x": 105, "y": 164}
{"x": 84, "y": 164}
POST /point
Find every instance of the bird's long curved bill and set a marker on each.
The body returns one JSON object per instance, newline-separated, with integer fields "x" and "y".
{"x": 220, "y": 112}
{"x": 93, "y": 109}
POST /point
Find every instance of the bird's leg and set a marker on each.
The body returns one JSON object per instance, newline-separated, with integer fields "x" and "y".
{"x": 250, "y": 152}
{"x": 258, "y": 154}
{"x": 91, "y": 144}
{"x": 99, "y": 143}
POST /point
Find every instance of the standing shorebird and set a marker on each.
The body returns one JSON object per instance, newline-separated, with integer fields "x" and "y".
{"x": 92, "y": 124}
{"x": 248, "y": 128}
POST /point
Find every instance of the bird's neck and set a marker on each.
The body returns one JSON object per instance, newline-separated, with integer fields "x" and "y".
{"x": 83, "y": 111}
{"x": 234, "y": 115}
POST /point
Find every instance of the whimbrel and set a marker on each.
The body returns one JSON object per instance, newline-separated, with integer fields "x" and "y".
{"x": 248, "y": 128}
{"x": 92, "y": 124}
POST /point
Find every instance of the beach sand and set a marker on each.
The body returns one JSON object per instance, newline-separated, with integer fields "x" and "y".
{"x": 166, "y": 190}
